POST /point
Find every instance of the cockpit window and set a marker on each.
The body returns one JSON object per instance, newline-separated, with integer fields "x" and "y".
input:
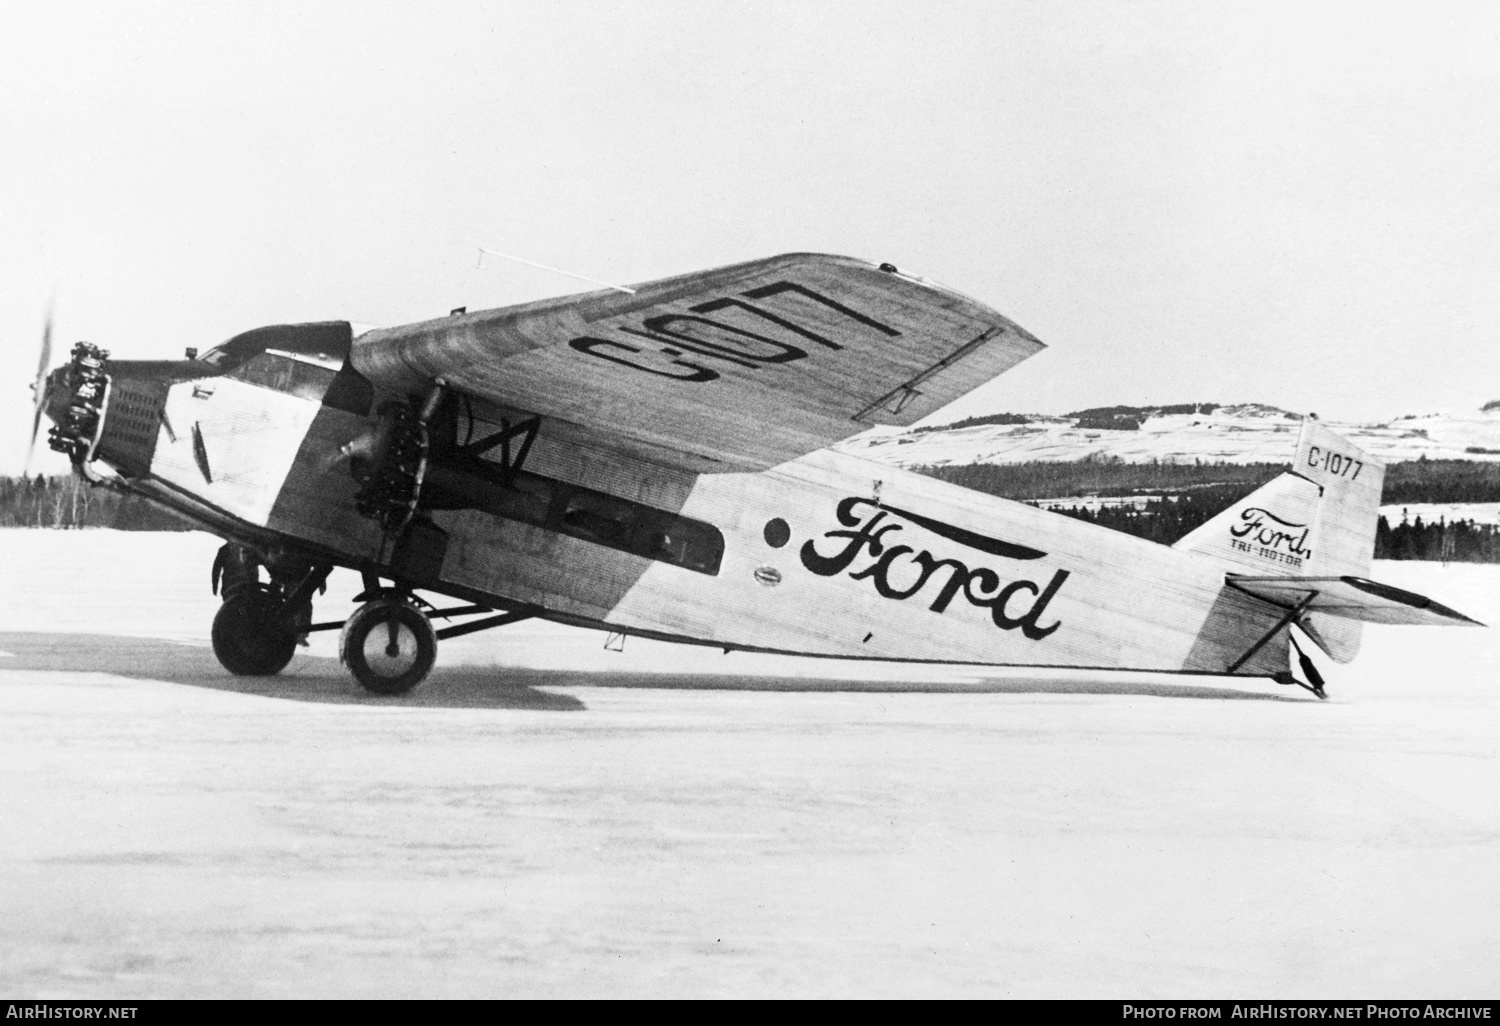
{"x": 322, "y": 341}
{"x": 285, "y": 374}
{"x": 222, "y": 357}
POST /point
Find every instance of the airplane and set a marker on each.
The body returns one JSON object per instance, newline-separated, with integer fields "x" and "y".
{"x": 657, "y": 461}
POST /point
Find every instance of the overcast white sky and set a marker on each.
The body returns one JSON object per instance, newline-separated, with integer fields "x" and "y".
{"x": 1287, "y": 203}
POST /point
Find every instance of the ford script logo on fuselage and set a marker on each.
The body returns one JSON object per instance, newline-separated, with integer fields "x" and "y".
{"x": 900, "y": 572}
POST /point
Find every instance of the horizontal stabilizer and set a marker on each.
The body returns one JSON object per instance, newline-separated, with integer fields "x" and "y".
{"x": 1353, "y": 598}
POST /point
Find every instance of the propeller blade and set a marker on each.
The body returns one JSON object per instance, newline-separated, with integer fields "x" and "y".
{"x": 39, "y": 389}
{"x": 360, "y": 447}
{"x": 46, "y": 356}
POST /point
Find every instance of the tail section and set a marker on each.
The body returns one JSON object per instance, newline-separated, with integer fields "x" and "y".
{"x": 1317, "y": 520}
{"x": 1350, "y": 482}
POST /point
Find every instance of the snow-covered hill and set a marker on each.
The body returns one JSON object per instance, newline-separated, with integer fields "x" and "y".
{"x": 1247, "y": 433}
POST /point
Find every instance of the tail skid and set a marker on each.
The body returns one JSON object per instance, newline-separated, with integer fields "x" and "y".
{"x": 1314, "y": 678}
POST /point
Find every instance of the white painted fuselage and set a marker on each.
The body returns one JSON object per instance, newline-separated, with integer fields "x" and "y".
{"x": 827, "y": 554}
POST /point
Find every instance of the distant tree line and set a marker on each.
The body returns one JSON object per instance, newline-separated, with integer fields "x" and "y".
{"x": 1105, "y": 423}
{"x": 1143, "y": 412}
{"x": 1424, "y": 480}
{"x": 1192, "y": 493}
{"x": 1410, "y": 481}
{"x": 1458, "y": 541}
{"x": 69, "y": 502}
{"x": 1169, "y": 519}
{"x": 1163, "y": 520}
{"x": 968, "y": 422}
{"x": 1107, "y": 476}
{"x": 1111, "y": 418}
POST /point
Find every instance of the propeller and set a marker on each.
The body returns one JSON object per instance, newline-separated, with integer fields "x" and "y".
{"x": 361, "y": 447}
{"x": 39, "y": 388}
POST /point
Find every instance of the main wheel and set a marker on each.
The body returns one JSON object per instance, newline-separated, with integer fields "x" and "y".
{"x": 389, "y": 646}
{"x": 251, "y": 636}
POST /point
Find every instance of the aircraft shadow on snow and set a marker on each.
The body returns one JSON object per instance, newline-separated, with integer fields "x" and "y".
{"x": 317, "y": 679}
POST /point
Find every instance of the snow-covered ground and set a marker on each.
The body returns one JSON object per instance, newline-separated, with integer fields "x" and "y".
{"x": 670, "y": 820}
{"x": 1250, "y": 433}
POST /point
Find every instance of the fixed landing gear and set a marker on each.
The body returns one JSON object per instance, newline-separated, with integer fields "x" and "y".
{"x": 256, "y": 630}
{"x": 389, "y": 645}
{"x": 252, "y": 637}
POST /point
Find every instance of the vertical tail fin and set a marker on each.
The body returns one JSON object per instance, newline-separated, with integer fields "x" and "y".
{"x": 1316, "y": 520}
{"x": 1349, "y": 506}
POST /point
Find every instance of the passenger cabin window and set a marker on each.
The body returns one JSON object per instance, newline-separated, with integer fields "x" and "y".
{"x": 640, "y": 529}
{"x": 285, "y": 374}
{"x": 601, "y": 518}
{"x": 673, "y": 539}
{"x": 526, "y": 498}
{"x": 606, "y": 520}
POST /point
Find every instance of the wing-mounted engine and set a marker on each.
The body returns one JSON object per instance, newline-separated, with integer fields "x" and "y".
{"x": 413, "y": 461}
{"x": 425, "y": 458}
{"x": 391, "y": 470}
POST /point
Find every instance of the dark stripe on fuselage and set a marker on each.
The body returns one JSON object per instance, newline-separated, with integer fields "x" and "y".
{"x": 994, "y": 546}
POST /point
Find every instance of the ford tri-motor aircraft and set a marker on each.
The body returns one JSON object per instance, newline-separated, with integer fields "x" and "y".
{"x": 655, "y": 461}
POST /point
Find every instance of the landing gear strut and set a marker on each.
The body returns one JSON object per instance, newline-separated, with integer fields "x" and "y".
{"x": 256, "y": 630}
{"x": 389, "y": 643}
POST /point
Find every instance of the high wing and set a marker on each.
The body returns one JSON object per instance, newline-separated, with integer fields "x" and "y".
{"x": 1353, "y": 598}
{"x": 738, "y": 368}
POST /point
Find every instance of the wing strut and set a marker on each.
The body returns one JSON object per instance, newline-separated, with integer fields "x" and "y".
{"x": 1291, "y": 614}
{"x": 526, "y": 428}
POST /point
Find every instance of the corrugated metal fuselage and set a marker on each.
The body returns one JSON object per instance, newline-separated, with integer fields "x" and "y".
{"x": 826, "y": 554}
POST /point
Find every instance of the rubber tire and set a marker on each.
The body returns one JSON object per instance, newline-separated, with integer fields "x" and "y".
{"x": 412, "y": 626}
{"x": 251, "y": 638}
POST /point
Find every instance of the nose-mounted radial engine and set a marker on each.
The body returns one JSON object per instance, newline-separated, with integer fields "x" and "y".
{"x": 109, "y": 410}
{"x": 269, "y": 385}
{"x": 75, "y": 402}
